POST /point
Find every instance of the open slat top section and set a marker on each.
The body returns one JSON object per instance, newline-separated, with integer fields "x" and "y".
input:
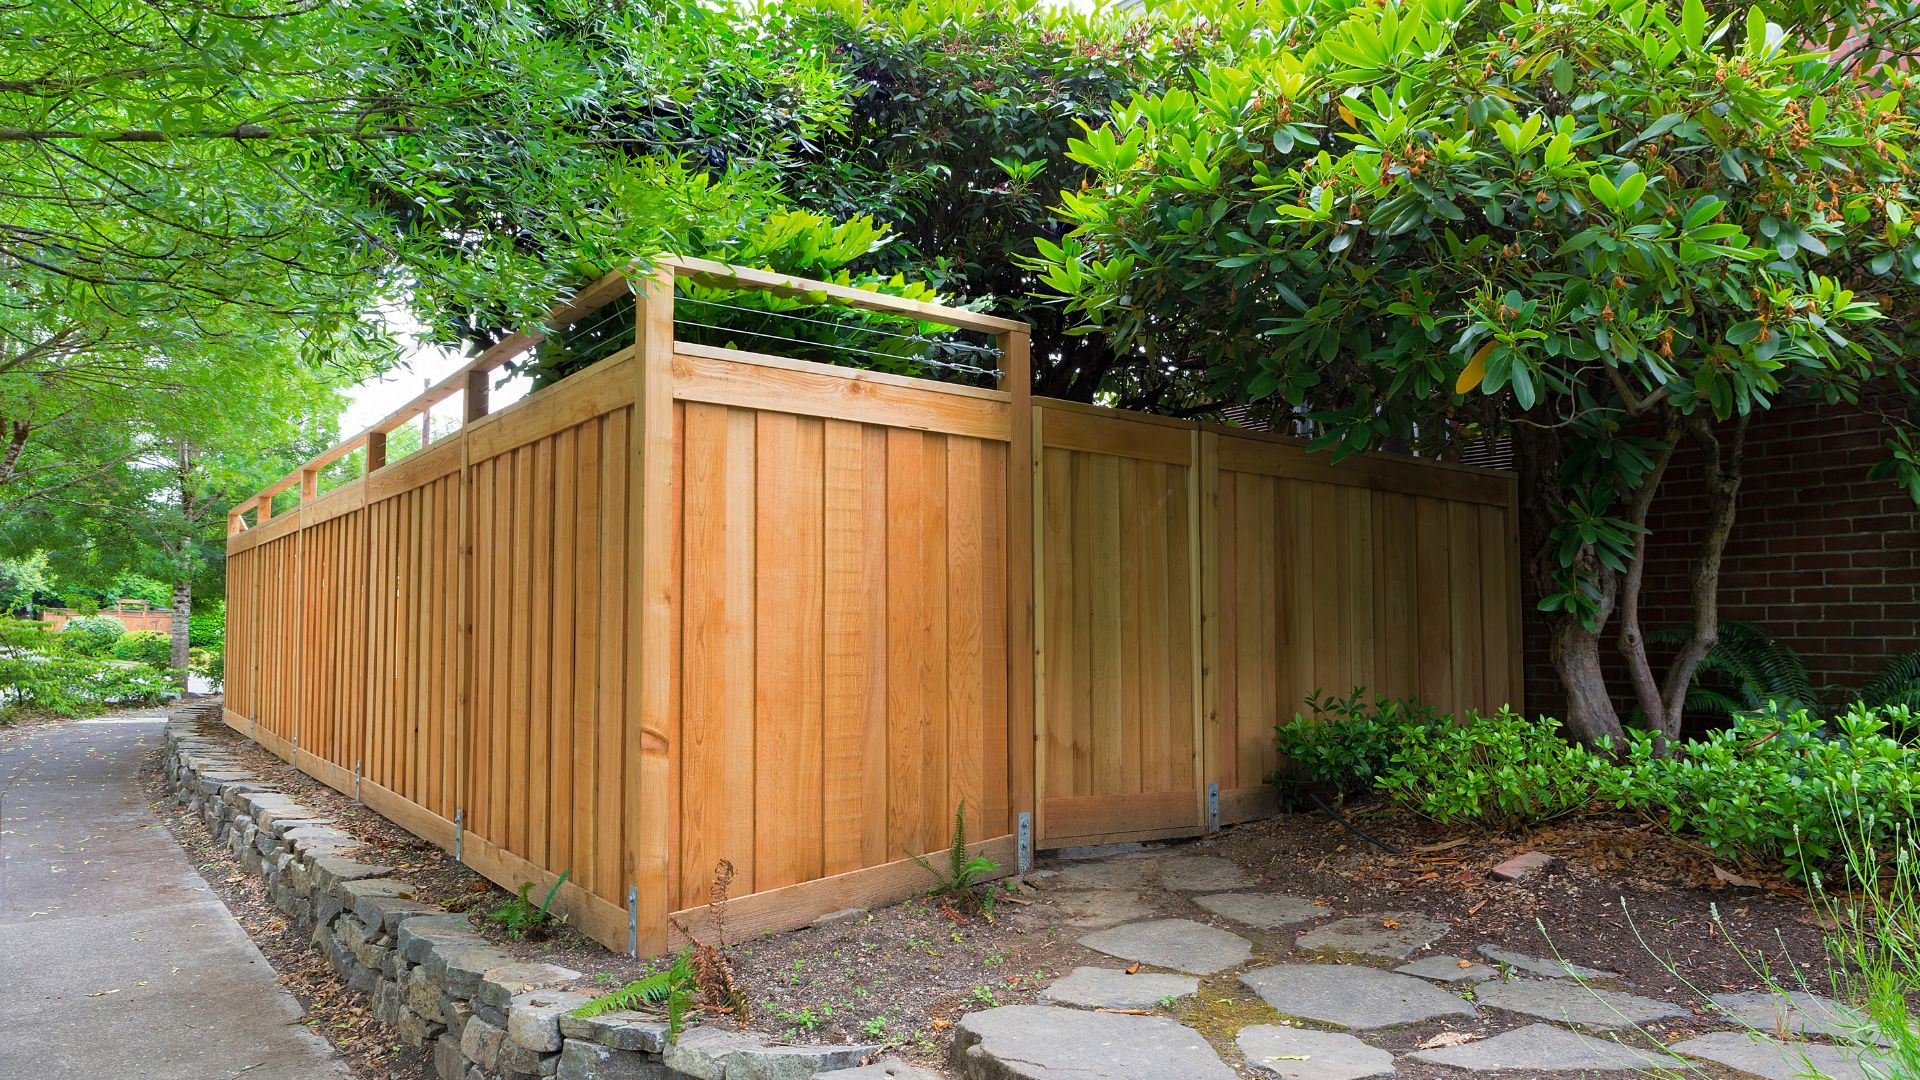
{"x": 598, "y": 295}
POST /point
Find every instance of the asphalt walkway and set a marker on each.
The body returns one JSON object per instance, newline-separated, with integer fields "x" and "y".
{"x": 117, "y": 961}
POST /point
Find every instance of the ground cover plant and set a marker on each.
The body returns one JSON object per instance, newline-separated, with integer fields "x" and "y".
{"x": 1764, "y": 791}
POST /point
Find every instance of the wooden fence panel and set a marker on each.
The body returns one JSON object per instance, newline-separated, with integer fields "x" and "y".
{"x": 696, "y": 605}
{"x": 842, "y": 627}
{"x": 549, "y": 595}
{"x": 333, "y": 693}
{"x": 1332, "y": 580}
{"x": 1117, "y": 628}
{"x": 412, "y": 631}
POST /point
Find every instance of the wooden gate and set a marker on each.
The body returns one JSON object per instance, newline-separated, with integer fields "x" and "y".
{"x": 1194, "y": 584}
{"x": 1117, "y": 623}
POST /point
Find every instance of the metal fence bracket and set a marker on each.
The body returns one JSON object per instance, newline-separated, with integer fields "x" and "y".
{"x": 1023, "y": 847}
{"x": 633, "y": 920}
{"x": 356, "y": 781}
{"x": 1213, "y": 807}
{"x": 459, "y": 832}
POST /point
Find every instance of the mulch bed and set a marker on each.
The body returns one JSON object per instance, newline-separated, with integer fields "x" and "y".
{"x": 1621, "y": 895}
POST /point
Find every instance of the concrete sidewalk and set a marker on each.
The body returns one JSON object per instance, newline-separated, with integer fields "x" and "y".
{"x": 117, "y": 962}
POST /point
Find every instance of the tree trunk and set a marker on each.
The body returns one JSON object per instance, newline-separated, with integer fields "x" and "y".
{"x": 1723, "y": 465}
{"x": 1576, "y": 659}
{"x": 181, "y": 624}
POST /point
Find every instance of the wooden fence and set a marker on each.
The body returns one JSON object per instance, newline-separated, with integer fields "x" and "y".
{"x": 697, "y": 604}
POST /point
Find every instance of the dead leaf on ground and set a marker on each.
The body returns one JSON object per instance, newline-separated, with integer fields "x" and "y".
{"x": 1449, "y": 1038}
{"x": 1729, "y": 877}
{"x": 1390, "y": 924}
{"x": 1442, "y": 846}
{"x": 1134, "y": 970}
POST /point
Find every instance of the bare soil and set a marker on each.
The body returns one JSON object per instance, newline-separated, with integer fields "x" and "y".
{"x": 1621, "y": 895}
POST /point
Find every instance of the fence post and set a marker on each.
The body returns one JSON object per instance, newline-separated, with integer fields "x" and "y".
{"x": 1016, "y": 366}
{"x": 650, "y": 654}
{"x": 376, "y": 450}
{"x": 475, "y": 400}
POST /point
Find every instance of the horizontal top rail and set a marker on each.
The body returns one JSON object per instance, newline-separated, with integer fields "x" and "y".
{"x": 469, "y": 377}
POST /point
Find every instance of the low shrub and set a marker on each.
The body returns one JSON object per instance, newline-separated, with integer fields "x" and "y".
{"x": 207, "y": 629}
{"x": 1344, "y": 745}
{"x": 91, "y": 635}
{"x": 145, "y": 647}
{"x": 1500, "y": 770}
{"x": 1781, "y": 784}
{"x": 62, "y": 684}
{"x": 215, "y": 668}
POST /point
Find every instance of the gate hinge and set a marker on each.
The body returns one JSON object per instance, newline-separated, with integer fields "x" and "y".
{"x": 1213, "y": 807}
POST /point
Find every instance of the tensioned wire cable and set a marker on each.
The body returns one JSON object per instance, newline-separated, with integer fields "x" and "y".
{"x": 970, "y": 369}
{"x": 958, "y": 346}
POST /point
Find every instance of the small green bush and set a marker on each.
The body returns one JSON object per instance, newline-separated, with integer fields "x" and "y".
{"x": 39, "y": 677}
{"x": 208, "y": 629}
{"x": 1345, "y": 744}
{"x": 91, "y": 635}
{"x": 1782, "y": 784}
{"x": 216, "y": 666}
{"x": 146, "y": 647}
{"x": 1500, "y": 770}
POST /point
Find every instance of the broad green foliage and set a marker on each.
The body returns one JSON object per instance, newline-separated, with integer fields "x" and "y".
{"x": 1501, "y": 770}
{"x": 1783, "y": 784}
{"x": 956, "y": 135}
{"x": 1498, "y": 770}
{"x": 1343, "y": 744}
{"x": 39, "y": 676}
{"x": 1429, "y": 219}
{"x": 1780, "y": 786}
{"x": 91, "y": 635}
{"x": 145, "y": 647}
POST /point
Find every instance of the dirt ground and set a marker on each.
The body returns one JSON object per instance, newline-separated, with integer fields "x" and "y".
{"x": 1620, "y": 896}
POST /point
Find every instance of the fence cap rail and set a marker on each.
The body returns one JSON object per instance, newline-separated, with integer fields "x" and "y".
{"x": 596, "y": 295}
{"x": 867, "y": 299}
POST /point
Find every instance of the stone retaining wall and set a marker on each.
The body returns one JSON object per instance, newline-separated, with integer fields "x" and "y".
{"x": 429, "y": 975}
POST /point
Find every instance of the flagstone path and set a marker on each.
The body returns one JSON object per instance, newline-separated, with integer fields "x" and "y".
{"x": 1352, "y": 981}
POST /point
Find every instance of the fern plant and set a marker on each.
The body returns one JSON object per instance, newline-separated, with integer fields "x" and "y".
{"x": 521, "y": 918}
{"x": 963, "y": 872}
{"x": 672, "y": 988}
{"x": 1897, "y": 684}
{"x": 1744, "y": 670}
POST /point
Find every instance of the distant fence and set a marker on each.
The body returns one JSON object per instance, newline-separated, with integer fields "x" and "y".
{"x": 134, "y": 617}
{"x": 697, "y": 604}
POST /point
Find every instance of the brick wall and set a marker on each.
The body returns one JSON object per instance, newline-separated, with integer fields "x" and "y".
{"x": 1824, "y": 558}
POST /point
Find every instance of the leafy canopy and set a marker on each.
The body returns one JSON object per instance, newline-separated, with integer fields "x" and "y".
{"x": 1437, "y": 218}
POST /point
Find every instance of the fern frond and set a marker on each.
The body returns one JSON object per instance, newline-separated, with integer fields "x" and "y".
{"x": 648, "y": 991}
{"x": 957, "y": 854}
{"x": 1898, "y": 683}
{"x": 547, "y": 904}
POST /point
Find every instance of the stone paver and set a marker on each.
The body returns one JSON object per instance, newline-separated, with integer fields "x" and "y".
{"x": 1180, "y": 944}
{"x": 1449, "y": 969}
{"x": 1298, "y": 1054}
{"x": 1793, "y": 1013}
{"x": 119, "y": 959}
{"x": 1097, "y": 909}
{"x": 1352, "y": 997}
{"x": 1195, "y": 872}
{"x": 1572, "y": 1003}
{"x": 1396, "y": 935}
{"x": 1125, "y": 872}
{"x": 1186, "y": 871}
{"x": 1039, "y": 1042}
{"x": 1552, "y": 968}
{"x": 1544, "y": 1048}
{"x": 885, "y": 1069}
{"x": 1109, "y": 988}
{"x": 1263, "y": 911}
{"x": 1757, "y": 1056}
